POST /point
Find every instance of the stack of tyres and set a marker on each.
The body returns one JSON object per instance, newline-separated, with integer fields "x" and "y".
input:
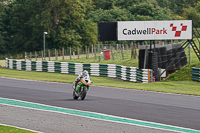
{"x": 71, "y": 68}
{"x": 118, "y": 71}
{"x": 141, "y": 58}
{"x": 166, "y": 55}
{"x": 183, "y": 59}
{"x": 57, "y": 67}
{"x": 33, "y": 65}
{"x": 103, "y": 70}
{"x": 163, "y": 56}
{"x": 169, "y": 55}
{"x": 196, "y": 74}
{"x": 177, "y": 61}
{"x": 159, "y": 59}
{"x": 14, "y": 64}
{"x": 23, "y": 65}
{"x": 87, "y": 67}
{"x": 44, "y": 66}
{"x": 149, "y": 64}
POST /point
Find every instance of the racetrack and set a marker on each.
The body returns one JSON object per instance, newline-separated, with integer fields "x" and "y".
{"x": 171, "y": 109}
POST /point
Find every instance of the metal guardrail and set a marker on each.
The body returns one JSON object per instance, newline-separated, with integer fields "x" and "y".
{"x": 125, "y": 73}
{"x": 196, "y": 74}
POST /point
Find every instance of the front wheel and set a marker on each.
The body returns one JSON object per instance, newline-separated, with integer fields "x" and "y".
{"x": 74, "y": 95}
{"x": 83, "y": 93}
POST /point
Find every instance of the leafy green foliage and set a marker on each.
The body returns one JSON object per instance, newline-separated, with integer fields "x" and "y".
{"x": 115, "y": 14}
{"x": 64, "y": 20}
{"x": 72, "y": 23}
{"x": 193, "y": 13}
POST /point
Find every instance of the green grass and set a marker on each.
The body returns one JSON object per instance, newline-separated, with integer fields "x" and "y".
{"x": 8, "y": 129}
{"x": 179, "y": 82}
{"x": 184, "y": 74}
{"x": 181, "y": 87}
{"x": 117, "y": 59}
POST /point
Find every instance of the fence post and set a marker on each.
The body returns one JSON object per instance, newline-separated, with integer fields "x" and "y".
{"x": 136, "y": 55}
{"x": 122, "y": 51}
{"x": 177, "y": 41}
{"x": 134, "y": 50}
{"x": 56, "y": 55}
{"x": 95, "y": 56}
{"x": 49, "y": 54}
{"x": 63, "y": 53}
{"x": 42, "y": 55}
{"x": 70, "y": 53}
{"x": 35, "y": 56}
{"x": 119, "y": 50}
{"x": 60, "y": 53}
{"x": 78, "y": 52}
{"x": 30, "y": 56}
{"x": 111, "y": 52}
{"x": 99, "y": 51}
{"x": 127, "y": 47}
{"x": 131, "y": 45}
{"x": 86, "y": 51}
{"x": 25, "y": 56}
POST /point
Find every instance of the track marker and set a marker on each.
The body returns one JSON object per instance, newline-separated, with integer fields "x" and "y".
{"x": 94, "y": 115}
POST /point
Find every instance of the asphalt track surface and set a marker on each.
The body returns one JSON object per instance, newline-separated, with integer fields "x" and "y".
{"x": 171, "y": 109}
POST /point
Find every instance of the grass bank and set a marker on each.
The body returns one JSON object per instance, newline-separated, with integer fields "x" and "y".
{"x": 8, "y": 129}
{"x": 184, "y": 74}
{"x": 181, "y": 87}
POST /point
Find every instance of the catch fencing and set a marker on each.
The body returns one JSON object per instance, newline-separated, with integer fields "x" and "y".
{"x": 125, "y": 73}
{"x": 196, "y": 74}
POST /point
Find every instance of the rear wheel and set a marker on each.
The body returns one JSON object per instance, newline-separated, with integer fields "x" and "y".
{"x": 83, "y": 93}
{"x": 74, "y": 95}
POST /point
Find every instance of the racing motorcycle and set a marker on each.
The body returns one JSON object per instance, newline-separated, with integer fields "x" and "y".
{"x": 81, "y": 88}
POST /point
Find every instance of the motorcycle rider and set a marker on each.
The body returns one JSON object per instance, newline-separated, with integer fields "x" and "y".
{"x": 81, "y": 75}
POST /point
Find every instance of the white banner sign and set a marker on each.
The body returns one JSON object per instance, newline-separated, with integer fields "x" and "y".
{"x": 154, "y": 30}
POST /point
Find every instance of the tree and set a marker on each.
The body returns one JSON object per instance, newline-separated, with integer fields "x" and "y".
{"x": 193, "y": 13}
{"x": 62, "y": 19}
{"x": 149, "y": 11}
{"x": 115, "y": 14}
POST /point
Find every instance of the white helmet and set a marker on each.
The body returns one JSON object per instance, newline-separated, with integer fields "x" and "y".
{"x": 85, "y": 73}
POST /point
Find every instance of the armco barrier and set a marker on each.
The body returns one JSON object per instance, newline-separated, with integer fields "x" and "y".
{"x": 125, "y": 73}
{"x": 196, "y": 74}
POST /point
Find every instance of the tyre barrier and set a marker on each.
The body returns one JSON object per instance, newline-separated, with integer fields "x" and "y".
{"x": 196, "y": 74}
{"x": 125, "y": 73}
{"x": 164, "y": 54}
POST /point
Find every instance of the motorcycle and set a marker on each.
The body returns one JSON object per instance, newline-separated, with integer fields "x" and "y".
{"x": 81, "y": 88}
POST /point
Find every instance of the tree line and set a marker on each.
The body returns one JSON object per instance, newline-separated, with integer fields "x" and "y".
{"x": 73, "y": 23}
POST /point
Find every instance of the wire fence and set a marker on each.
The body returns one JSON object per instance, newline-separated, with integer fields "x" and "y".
{"x": 94, "y": 52}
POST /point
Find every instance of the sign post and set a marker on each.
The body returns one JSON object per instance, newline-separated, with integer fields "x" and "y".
{"x": 154, "y": 30}
{"x": 45, "y": 33}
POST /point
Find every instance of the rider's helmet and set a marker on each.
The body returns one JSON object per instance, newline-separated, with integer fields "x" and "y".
{"x": 85, "y": 73}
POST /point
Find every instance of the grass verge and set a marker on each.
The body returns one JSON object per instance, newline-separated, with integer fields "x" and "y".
{"x": 184, "y": 74}
{"x": 181, "y": 87}
{"x": 8, "y": 129}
